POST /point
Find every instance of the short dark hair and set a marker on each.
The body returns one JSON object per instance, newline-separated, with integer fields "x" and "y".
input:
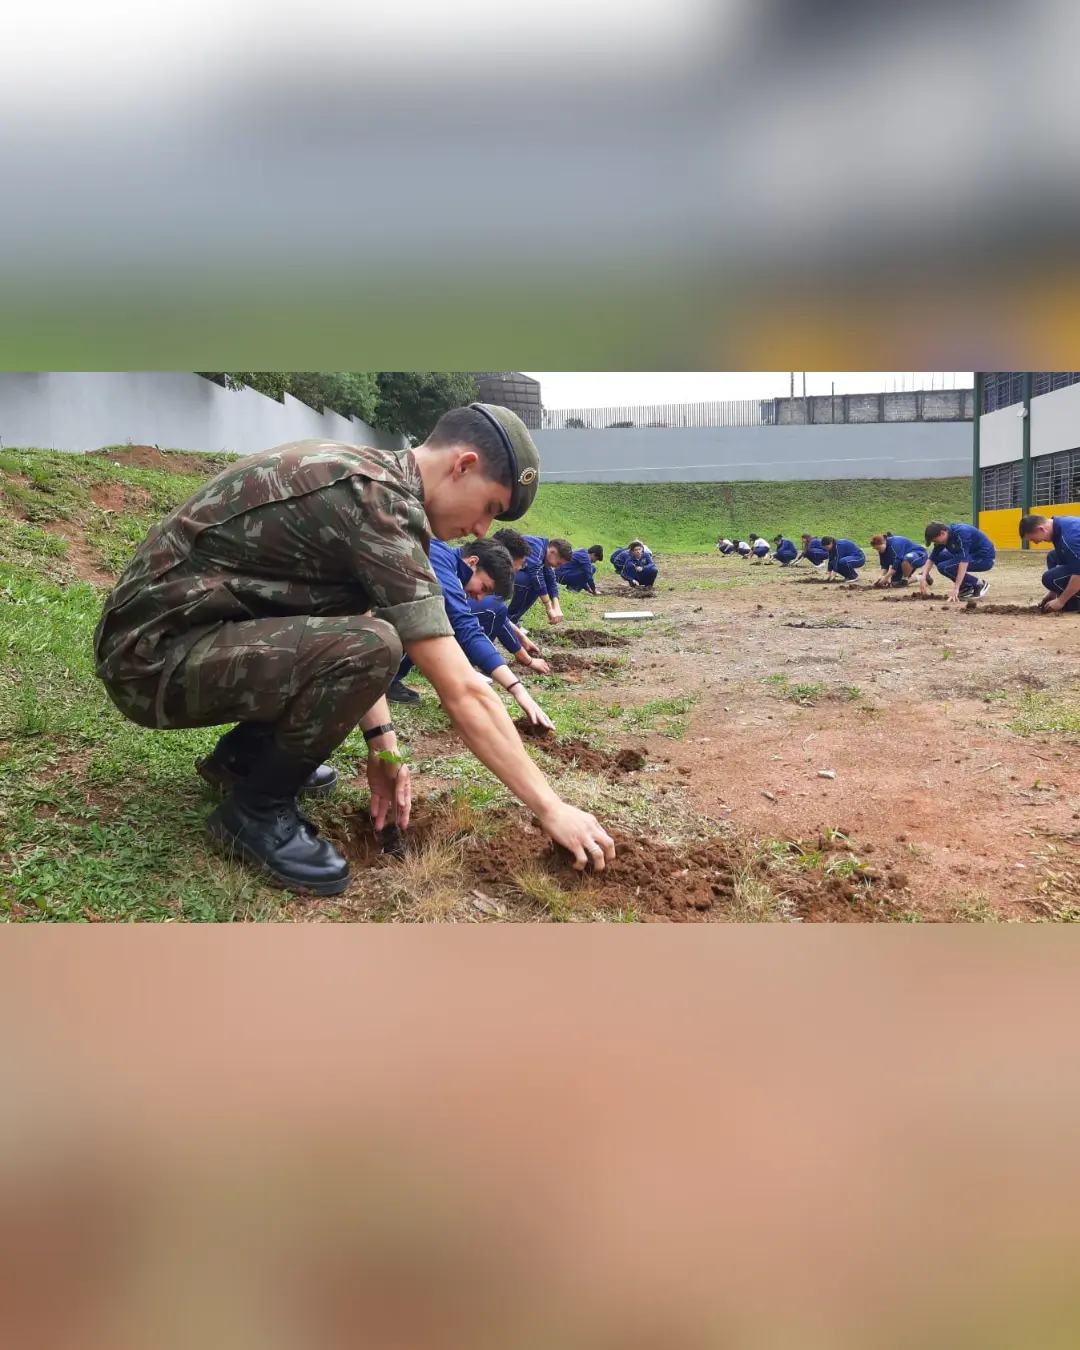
{"x": 806, "y": 536}
{"x": 1028, "y": 524}
{"x": 466, "y": 426}
{"x": 596, "y": 552}
{"x": 935, "y": 528}
{"x": 513, "y": 542}
{"x": 494, "y": 559}
{"x": 826, "y": 540}
{"x": 635, "y": 543}
{"x": 563, "y": 547}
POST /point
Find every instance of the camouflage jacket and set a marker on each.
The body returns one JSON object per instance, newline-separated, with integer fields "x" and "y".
{"x": 313, "y": 527}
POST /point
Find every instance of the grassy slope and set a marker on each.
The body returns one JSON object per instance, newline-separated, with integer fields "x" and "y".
{"x": 688, "y": 517}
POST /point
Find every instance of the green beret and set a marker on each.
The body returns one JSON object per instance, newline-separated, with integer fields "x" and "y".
{"x": 521, "y": 453}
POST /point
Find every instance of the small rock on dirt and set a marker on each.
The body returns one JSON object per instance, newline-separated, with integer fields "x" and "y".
{"x": 826, "y": 773}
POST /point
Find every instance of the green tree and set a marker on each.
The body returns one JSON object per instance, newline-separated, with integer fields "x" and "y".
{"x": 348, "y": 392}
{"x": 272, "y": 383}
{"x": 412, "y": 401}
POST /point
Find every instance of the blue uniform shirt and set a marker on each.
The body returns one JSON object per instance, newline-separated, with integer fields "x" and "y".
{"x": 815, "y": 552}
{"x": 536, "y": 573}
{"x": 578, "y": 573}
{"x": 453, "y": 572}
{"x": 965, "y": 544}
{"x": 897, "y": 547}
{"x": 844, "y": 551}
{"x": 1066, "y": 540}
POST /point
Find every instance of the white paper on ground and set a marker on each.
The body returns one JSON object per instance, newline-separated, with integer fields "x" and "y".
{"x": 631, "y": 614}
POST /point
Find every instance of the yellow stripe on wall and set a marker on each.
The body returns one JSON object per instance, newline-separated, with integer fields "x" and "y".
{"x": 1003, "y": 527}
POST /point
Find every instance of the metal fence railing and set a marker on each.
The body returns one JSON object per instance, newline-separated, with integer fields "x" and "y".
{"x": 738, "y": 412}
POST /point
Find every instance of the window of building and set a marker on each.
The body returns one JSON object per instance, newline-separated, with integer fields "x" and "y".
{"x": 1001, "y": 487}
{"x": 1001, "y": 389}
{"x": 1047, "y": 380}
{"x": 1056, "y": 478}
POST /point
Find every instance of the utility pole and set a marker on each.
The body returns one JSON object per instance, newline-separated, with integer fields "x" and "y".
{"x": 793, "y": 386}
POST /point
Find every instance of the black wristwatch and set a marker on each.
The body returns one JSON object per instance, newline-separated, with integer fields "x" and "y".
{"x": 384, "y": 730}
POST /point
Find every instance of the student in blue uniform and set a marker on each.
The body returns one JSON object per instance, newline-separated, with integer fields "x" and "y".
{"x": 639, "y": 569}
{"x": 759, "y": 548}
{"x": 845, "y": 558}
{"x": 813, "y": 551}
{"x": 536, "y": 580}
{"x": 579, "y": 573}
{"x": 956, "y": 551}
{"x": 1061, "y": 580}
{"x": 494, "y": 617}
{"x": 784, "y": 551}
{"x": 900, "y": 558}
{"x": 482, "y": 567}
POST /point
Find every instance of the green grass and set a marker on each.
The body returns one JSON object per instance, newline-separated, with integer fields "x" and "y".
{"x": 1041, "y": 714}
{"x": 689, "y": 517}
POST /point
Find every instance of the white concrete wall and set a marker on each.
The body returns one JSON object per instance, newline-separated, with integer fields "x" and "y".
{"x": 173, "y": 410}
{"x": 1055, "y": 421}
{"x": 1001, "y": 436}
{"x": 779, "y": 454}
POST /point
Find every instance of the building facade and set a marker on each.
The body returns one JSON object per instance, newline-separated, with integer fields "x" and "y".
{"x": 1026, "y": 449}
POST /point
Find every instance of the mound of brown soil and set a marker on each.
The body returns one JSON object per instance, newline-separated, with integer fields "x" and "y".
{"x": 150, "y": 457}
{"x": 576, "y": 752}
{"x": 570, "y": 663}
{"x": 585, "y": 637}
{"x": 661, "y": 882}
{"x": 973, "y": 607}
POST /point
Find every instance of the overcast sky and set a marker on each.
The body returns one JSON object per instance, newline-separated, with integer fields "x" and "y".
{"x": 605, "y": 389}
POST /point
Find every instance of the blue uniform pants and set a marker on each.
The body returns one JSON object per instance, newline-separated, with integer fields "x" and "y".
{"x": 645, "y": 577}
{"x": 848, "y": 570}
{"x": 1056, "y": 579}
{"x": 948, "y": 565}
{"x": 785, "y": 557}
{"x": 526, "y": 594}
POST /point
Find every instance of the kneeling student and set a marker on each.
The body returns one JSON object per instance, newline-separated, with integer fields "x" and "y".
{"x": 813, "y": 551}
{"x": 956, "y": 551}
{"x": 479, "y": 568}
{"x": 784, "y": 551}
{"x": 639, "y": 569}
{"x": 759, "y": 548}
{"x": 725, "y": 546}
{"x": 845, "y": 558}
{"x": 578, "y": 574}
{"x": 1061, "y": 580}
{"x": 900, "y": 558}
{"x": 742, "y": 548}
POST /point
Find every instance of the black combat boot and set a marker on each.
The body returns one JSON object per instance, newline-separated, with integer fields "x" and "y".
{"x": 401, "y": 693}
{"x": 259, "y": 823}
{"x": 234, "y": 756}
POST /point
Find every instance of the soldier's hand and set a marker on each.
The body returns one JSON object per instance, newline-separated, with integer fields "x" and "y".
{"x": 541, "y": 666}
{"x": 580, "y": 834}
{"x": 391, "y": 792}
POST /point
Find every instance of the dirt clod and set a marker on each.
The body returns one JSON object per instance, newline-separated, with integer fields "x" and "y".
{"x": 585, "y": 637}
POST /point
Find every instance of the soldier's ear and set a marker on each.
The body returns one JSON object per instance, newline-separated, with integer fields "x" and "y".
{"x": 465, "y": 461}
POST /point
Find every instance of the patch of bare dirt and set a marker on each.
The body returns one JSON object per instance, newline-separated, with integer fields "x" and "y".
{"x": 150, "y": 457}
{"x": 84, "y": 562}
{"x": 577, "y": 753}
{"x": 570, "y": 663}
{"x": 662, "y": 883}
{"x": 118, "y": 496}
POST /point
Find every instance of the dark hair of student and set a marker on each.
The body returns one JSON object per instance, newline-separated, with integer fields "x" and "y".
{"x": 635, "y": 543}
{"x": 564, "y": 548}
{"x": 1029, "y": 524}
{"x": 878, "y": 539}
{"x": 827, "y": 540}
{"x": 935, "y": 528}
{"x": 513, "y": 542}
{"x": 596, "y": 552}
{"x": 466, "y": 426}
{"x": 493, "y": 558}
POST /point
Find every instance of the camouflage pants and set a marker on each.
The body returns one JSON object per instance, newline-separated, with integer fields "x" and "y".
{"x": 311, "y": 678}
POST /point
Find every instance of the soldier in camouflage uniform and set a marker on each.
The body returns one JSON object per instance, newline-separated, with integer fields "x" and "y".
{"x": 281, "y": 596}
